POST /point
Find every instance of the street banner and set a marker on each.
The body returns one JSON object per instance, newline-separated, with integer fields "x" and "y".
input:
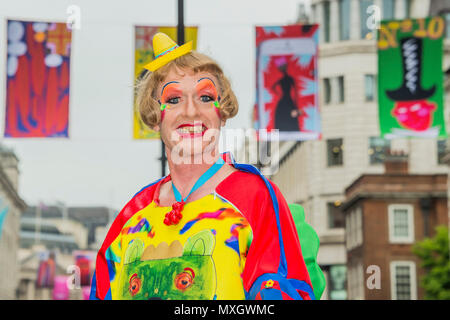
{"x": 410, "y": 78}
{"x": 286, "y": 81}
{"x": 84, "y": 260}
{"x": 143, "y": 54}
{"x": 38, "y": 79}
{"x": 46, "y": 270}
{"x": 61, "y": 288}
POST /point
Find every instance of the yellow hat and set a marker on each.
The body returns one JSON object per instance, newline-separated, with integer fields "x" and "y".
{"x": 166, "y": 50}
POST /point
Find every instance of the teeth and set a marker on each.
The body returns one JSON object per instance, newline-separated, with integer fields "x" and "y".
{"x": 195, "y": 129}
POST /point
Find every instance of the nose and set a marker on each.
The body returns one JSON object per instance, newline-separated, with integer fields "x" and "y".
{"x": 190, "y": 108}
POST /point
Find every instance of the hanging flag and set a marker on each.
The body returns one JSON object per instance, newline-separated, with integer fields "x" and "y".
{"x": 286, "y": 81}
{"x": 38, "y": 78}
{"x": 46, "y": 270}
{"x": 143, "y": 54}
{"x": 83, "y": 260}
{"x": 410, "y": 78}
{"x": 60, "y": 288}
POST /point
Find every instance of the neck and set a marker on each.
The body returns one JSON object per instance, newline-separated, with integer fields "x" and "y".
{"x": 186, "y": 172}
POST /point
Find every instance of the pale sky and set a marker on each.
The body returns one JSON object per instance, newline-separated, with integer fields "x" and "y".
{"x": 100, "y": 163}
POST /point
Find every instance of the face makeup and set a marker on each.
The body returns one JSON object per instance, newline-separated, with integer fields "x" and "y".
{"x": 190, "y": 120}
{"x": 207, "y": 87}
{"x": 170, "y": 93}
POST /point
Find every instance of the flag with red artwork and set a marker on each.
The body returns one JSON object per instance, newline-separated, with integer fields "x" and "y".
{"x": 410, "y": 78}
{"x": 286, "y": 81}
{"x": 38, "y": 79}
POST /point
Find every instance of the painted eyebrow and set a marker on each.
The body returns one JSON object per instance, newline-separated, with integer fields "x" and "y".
{"x": 164, "y": 86}
{"x": 206, "y": 78}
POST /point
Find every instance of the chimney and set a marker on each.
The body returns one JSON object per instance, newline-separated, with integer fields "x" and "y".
{"x": 396, "y": 162}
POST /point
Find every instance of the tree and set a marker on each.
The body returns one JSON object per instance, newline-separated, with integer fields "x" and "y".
{"x": 434, "y": 253}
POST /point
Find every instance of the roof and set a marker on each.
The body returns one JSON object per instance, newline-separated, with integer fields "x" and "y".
{"x": 89, "y": 217}
{"x": 85, "y": 215}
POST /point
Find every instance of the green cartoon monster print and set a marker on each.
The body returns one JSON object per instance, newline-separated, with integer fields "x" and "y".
{"x": 170, "y": 271}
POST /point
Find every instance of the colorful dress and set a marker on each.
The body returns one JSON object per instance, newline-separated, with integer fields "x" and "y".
{"x": 239, "y": 242}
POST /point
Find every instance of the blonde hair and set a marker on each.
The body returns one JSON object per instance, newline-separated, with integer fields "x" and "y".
{"x": 148, "y": 105}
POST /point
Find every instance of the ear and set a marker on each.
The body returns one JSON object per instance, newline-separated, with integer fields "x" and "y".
{"x": 223, "y": 122}
{"x": 200, "y": 244}
{"x": 157, "y": 128}
{"x": 134, "y": 251}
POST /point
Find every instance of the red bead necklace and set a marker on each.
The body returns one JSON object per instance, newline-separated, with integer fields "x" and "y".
{"x": 174, "y": 216}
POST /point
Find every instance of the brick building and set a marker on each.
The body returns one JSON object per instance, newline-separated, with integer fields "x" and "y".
{"x": 385, "y": 215}
{"x": 316, "y": 173}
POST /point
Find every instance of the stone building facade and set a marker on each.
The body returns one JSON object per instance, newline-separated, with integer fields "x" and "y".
{"x": 316, "y": 173}
{"x": 11, "y": 207}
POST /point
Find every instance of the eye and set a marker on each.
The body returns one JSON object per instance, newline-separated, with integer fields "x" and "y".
{"x": 415, "y": 107}
{"x": 174, "y": 100}
{"x": 183, "y": 280}
{"x": 135, "y": 284}
{"x": 206, "y": 98}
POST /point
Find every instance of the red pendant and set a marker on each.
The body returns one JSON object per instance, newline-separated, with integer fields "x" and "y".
{"x": 174, "y": 216}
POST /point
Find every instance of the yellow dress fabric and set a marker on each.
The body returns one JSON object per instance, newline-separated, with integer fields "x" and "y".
{"x": 202, "y": 257}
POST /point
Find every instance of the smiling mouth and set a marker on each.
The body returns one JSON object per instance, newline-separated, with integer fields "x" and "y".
{"x": 191, "y": 130}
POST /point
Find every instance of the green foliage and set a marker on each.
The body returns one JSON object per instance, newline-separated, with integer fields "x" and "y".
{"x": 434, "y": 253}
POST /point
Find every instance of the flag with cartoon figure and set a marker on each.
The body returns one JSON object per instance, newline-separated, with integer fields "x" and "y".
{"x": 38, "y": 79}
{"x": 410, "y": 78}
{"x": 286, "y": 81}
{"x": 143, "y": 55}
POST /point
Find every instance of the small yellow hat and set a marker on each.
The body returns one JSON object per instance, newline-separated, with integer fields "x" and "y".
{"x": 166, "y": 50}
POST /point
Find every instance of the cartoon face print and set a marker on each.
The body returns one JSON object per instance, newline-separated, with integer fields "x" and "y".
{"x": 414, "y": 115}
{"x": 170, "y": 271}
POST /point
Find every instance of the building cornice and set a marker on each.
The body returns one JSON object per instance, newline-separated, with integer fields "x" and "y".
{"x": 393, "y": 196}
{"x": 359, "y": 46}
{"x": 389, "y": 178}
{"x": 11, "y": 191}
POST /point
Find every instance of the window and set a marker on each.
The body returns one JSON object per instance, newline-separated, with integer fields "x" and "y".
{"x": 407, "y": 6}
{"x": 447, "y": 25}
{"x": 344, "y": 19}
{"x": 335, "y": 152}
{"x": 341, "y": 88}
{"x": 326, "y": 21}
{"x": 388, "y": 9}
{"x": 403, "y": 280}
{"x": 314, "y": 13}
{"x": 353, "y": 228}
{"x": 338, "y": 282}
{"x": 369, "y": 87}
{"x": 441, "y": 151}
{"x": 327, "y": 90}
{"x": 378, "y": 148}
{"x": 355, "y": 281}
{"x": 364, "y": 16}
{"x": 336, "y": 217}
{"x": 401, "y": 223}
